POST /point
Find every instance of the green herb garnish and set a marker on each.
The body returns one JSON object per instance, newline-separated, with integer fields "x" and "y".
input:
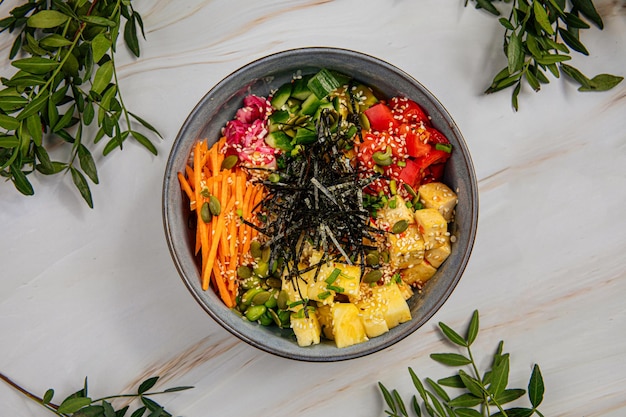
{"x": 480, "y": 392}
{"x": 67, "y": 81}
{"x": 538, "y": 38}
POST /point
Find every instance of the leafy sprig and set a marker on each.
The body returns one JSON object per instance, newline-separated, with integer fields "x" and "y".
{"x": 478, "y": 393}
{"x": 79, "y": 404}
{"x": 539, "y": 37}
{"x": 67, "y": 81}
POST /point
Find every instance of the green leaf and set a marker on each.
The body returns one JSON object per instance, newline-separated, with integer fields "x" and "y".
{"x": 451, "y": 359}
{"x": 147, "y": 384}
{"x": 33, "y": 107}
{"x": 145, "y": 124}
{"x": 536, "y": 387}
{"x": 90, "y": 411}
{"x": 471, "y": 384}
{"x": 102, "y": 77}
{"x": 436, "y": 403}
{"x": 573, "y": 42}
{"x": 44, "y": 159}
{"x": 81, "y": 184}
{"x": 472, "y": 329}
{"x": 88, "y": 166}
{"x": 532, "y": 80}
{"x": 65, "y": 119}
{"x": 465, "y": 400}
{"x": 150, "y": 404}
{"x": 8, "y": 122}
{"x": 515, "y": 53}
{"x": 108, "y": 409}
{"x": 387, "y": 397}
{"x": 418, "y": 384}
{"x": 24, "y": 79}
{"x": 47, "y": 19}
{"x": 47, "y": 397}
{"x": 176, "y": 389}
{"x": 488, "y": 6}
{"x": 55, "y": 168}
{"x": 98, "y": 20}
{"x": 588, "y": 10}
{"x": 130, "y": 36}
{"x": 20, "y": 181}
{"x": 99, "y": 46}
{"x": 54, "y": 41}
{"x": 552, "y": 59}
{"x": 400, "y": 403}
{"x": 15, "y": 47}
{"x": 453, "y": 381}
{"x": 73, "y": 404}
{"x": 453, "y": 336}
{"x": 515, "y": 412}
{"x": 139, "y": 412}
{"x": 33, "y": 124}
{"x": 602, "y": 82}
{"x": 144, "y": 141}
{"x": 36, "y": 65}
{"x": 541, "y": 16}
{"x": 9, "y": 142}
{"x": 438, "y": 389}
{"x": 88, "y": 113}
{"x": 499, "y": 375}
{"x": 507, "y": 25}
{"x": 509, "y": 395}
{"x": 467, "y": 412}
{"x": 12, "y": 103}
{"x": 573, "y": 21}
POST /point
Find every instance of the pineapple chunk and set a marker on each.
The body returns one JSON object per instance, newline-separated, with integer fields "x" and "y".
{"x": 406, "y": 248}
{"x": 325, "y": 318}
{"x": 347, "y": 282}
{"x": 348, "y": 329}
{"x": 297, "y": 289}
{"x": 307, "y": 330}
{"x": 372, "y": 316}
{"x": 393, "y": 305}
{"x": 436, "y": 256}
{"x": 406, "y": 290}
{"x": 399, "y": 212}
{"x": 432, "y": 226}
{"x": 421, "y": 273}
{"x": 440, "y": 197}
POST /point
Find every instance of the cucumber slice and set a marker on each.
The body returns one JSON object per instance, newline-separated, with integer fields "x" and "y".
{"x": 281, "y": 96}
{"x": 279, "y": 140}
{"x": 305, "y": 136}
{"x": 310, "y": 105}
{"x": 300, "y": 89}
{"x": 323, "y": 83}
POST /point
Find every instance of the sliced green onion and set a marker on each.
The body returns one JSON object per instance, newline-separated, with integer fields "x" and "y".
{"x": 446, "y": 147}
{"x": 324, "y": 295}
{"x": 333, "y": 276}
{"x": 336, "y": 288}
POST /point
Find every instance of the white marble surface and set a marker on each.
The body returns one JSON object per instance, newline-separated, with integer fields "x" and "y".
{"x": 94, "y": 292}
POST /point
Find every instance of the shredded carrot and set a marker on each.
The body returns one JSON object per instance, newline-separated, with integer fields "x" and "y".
{"x": 224, "y": 241}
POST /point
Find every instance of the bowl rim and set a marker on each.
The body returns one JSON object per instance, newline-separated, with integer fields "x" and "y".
{"x": 304, "y": 354}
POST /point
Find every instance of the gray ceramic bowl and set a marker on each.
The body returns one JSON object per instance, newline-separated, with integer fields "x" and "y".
{"x": 259, "y": 77}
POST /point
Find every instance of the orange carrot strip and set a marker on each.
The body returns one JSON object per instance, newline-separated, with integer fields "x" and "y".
{"x": 184, "y": 184}
{"x": 189, "y": 173}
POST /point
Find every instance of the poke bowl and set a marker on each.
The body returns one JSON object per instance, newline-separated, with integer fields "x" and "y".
{"x": 249, "y": 150}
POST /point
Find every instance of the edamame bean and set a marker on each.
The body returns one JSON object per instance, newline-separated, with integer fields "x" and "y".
{"x": 254, "y": 313}
{"x": 261, "y": 298}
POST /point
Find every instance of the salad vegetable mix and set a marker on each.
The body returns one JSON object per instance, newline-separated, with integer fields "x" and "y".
{"x": 321, "y": 208}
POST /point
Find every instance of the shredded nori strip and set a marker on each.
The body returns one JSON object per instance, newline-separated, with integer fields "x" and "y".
{"x": 318, "y": 199}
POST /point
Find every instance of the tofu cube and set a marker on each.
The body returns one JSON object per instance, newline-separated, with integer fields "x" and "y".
{"x": 399, "y": 211}
{"x": 432, "y": 226}
{"x": 418, "y": 274}
{"x": 438, "y": 255}
{"x": 438, "y": 196}
{"x": 406, "y": 248}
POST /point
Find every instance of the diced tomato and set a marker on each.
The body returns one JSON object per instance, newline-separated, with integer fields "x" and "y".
{"x": 408, "y": 110}
{"x": 433, "y": 157}
{"x": 410, "y": 173}
{"x": 415, "y": 147}
{"x": 434, "y": 172}
{"x": 435, "y": 136}
{"x": 380, "y": 117}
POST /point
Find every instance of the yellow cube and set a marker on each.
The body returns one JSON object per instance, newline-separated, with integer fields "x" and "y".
{"x": 440, "y": 197}
{"x": 347, "y": 281}
{"x": 348, "y": 329}
{"x": 399, "y": 212}
{"x": 318, "y": 291}
{"x": 406, "y": 248}
{"x": 325, "y": 318}
{"x": 432, "y": 226}
{"x": 419, "y": 273}
{"x": 307, "y": 330}
{"x": 372, "y": 315}
{"x": 394, "y": 307}
{"x": 438, "y": 255}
